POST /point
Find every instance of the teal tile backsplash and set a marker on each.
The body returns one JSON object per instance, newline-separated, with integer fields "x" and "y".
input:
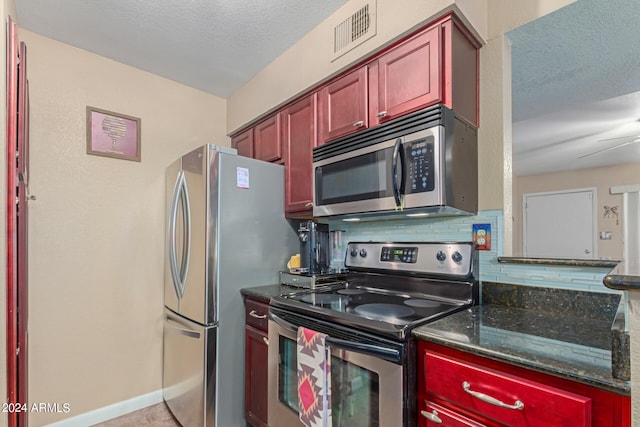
{"x": 460, "y": 229}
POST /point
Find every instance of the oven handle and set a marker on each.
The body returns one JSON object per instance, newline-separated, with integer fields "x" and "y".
{"x": 389, "y": 354}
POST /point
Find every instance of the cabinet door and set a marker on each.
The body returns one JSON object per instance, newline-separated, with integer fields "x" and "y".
{"x": 342, "y": 106}
{"x": 409, "y": 77}
{"x": 299, "y": 138}
{"x": 243, "y": 143}
{"x": 268, "y": 146}
{"x": 256, "y": 377}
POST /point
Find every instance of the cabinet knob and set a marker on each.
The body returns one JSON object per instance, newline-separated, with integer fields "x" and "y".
{"x": 358, "y": 124}
{"x": 381, "y": 114}
{"x": 432, "y": 416}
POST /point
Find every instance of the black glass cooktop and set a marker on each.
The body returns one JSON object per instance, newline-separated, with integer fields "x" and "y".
{"x": 373, "y": 304}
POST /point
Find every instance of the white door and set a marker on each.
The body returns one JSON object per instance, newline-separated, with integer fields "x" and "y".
{"x": 561, "y": 224}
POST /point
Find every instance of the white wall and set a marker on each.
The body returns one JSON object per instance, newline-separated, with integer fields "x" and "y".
{"x": 96, "y": 237}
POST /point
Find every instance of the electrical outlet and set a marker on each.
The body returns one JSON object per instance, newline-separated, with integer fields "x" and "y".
{"x": 482, "y": 236}
{"x": 605, "y": 235}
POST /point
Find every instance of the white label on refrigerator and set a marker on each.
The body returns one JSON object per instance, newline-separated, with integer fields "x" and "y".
{"x": 242, "y": 177}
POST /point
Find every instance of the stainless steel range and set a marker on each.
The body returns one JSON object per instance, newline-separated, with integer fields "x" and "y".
{"x": 390, "y": 289}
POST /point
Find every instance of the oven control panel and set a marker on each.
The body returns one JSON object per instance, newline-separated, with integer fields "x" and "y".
{"x": 428, "y": 258}
{"x": 408, "y": 254}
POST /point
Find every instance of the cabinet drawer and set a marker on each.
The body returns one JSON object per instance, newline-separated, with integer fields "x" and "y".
{"x": 256, "y": 314}
{"x": 503, "y": 397}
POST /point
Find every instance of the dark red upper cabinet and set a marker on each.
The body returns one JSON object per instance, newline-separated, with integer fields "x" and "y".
{"x": 243, "y": 143}
{"x": 342, "y": 106}
{"x": 409, "y": 77}
{"x": 299, "y": 136}
{"x": 268, "y": 146}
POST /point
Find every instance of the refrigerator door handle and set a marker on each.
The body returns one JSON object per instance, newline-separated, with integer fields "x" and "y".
{"x": 186, "y": 242}
{"x": 178, "y": 327}
{"x": 180, "y": 199}
{"x": 171, "y": 238}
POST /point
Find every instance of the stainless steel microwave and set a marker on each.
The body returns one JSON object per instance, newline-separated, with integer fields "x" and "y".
{"x": 422, "y": 164}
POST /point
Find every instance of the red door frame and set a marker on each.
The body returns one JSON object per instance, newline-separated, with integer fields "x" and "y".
{"x": 16, "y": 223}
{"x": 12, "y": 271}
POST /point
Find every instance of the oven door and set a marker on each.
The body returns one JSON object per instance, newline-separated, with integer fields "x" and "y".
{"x": 367, "y": 390}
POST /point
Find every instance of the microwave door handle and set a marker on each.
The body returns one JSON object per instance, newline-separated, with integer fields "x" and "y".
{"x": 403, "y": 177}
{"x": 398, "y": 187}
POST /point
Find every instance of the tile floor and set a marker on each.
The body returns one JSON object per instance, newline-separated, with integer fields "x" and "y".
{"x": 156, "y": 415}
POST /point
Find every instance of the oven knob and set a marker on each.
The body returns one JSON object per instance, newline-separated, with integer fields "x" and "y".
{"x": 353, "y": 252}
{"x": 363, "y": 253}
{"x": 456, "y": 257}
{"x": 441, "y": 256}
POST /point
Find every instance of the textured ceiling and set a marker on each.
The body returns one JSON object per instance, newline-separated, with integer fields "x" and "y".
{"x": 212, "y": 45}
{"x": 575, "y": 77}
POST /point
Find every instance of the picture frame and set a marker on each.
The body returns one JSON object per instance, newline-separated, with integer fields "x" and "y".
{"x": 113, "y": 135}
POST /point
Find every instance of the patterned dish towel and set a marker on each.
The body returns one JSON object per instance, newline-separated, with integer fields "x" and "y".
{"x": 314, "y": 379}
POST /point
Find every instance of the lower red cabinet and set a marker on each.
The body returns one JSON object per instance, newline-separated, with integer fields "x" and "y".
{"x": 468, "y": 390}
{"x": 256, "y": 353}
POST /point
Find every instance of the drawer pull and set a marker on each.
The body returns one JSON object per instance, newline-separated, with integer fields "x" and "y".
{"x": 358, "y": 124}
{"x": 432, "y": 416}
{"x": 492, "y": 400}
{"x": 253, "y": 313}
{"x": 265, "y": 340}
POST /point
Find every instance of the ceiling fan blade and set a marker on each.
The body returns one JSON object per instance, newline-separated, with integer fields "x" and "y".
{"x": 609, "y": 148}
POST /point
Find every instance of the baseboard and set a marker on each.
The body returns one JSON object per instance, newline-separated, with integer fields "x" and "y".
{"x": 112, "y": 411}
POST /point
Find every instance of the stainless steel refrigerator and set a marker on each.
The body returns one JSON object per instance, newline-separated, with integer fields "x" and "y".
{"x": 225, "y": 230}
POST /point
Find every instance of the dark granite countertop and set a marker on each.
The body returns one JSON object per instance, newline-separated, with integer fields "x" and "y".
{"x": 266, "y": 292}
{"x": 596, "y": 263}
{"x": 625, "y": 276}
{"x": 557, "y": 341}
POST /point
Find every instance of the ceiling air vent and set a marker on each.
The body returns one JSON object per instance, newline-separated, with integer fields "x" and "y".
{"x": 356, "y": 29}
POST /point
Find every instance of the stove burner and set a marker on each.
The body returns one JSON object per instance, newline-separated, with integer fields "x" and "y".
{"x": 351, "y": 291}
{"x": 323, "y": 299}
{"x": 390, "y": 313}
{"x": 421, "y": 303}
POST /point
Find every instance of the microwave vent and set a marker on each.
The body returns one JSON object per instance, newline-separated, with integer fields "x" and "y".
{"x": 357, "y": 28}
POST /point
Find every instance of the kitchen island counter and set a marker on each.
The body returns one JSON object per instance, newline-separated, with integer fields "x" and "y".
{"x": 558, "y": 340}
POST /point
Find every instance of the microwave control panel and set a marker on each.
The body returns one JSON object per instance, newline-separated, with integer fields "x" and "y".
{"x": 419, "y": 160}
